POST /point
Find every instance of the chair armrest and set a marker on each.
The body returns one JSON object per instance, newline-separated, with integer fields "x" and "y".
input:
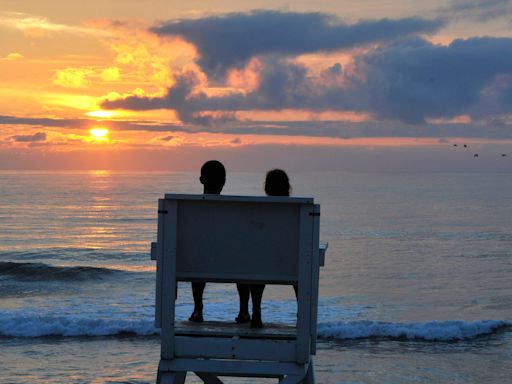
{"x": 153, "y": 251}
{"x": 321, "y": 251}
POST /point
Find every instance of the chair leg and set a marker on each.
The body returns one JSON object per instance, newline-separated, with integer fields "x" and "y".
{"x": 310, "y": 374}
{"x": 208, "y": 378}
{"x": 291, "y": 379}
{"x": 171, "y": 377}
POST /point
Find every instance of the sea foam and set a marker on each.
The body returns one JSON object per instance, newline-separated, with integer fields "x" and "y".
{"x": 432, "y": 330}
{"x": 29, "y": 325}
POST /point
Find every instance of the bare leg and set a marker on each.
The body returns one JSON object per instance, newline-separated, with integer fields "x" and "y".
{"x": 243, "y": 295}
{"x": 256, "y": 296}
{"x": 197, "y": 292}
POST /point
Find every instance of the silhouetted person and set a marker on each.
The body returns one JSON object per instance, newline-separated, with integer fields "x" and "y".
{"x": 276, "y": 184}
{"x": 213, "y": 178}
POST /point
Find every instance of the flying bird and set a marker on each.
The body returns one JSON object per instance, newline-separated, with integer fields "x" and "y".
{"x": 503, "y": 155}
{"x": 475, "y": 155}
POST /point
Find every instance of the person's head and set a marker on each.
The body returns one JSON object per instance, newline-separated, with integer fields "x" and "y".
{"x": 213, "y": 176}
{"x": 277, "y": 183}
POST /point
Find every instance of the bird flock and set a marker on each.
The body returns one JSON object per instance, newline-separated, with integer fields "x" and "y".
{"x": 476, "y": 154}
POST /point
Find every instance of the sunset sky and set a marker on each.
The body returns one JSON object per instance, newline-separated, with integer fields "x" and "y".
{"x": 332, "y": 84}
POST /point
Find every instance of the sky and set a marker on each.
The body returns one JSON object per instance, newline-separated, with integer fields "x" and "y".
{"x": 303, "y": 85}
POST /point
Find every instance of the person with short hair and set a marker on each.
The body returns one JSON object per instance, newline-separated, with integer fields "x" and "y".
{"x": 213, "y": 178}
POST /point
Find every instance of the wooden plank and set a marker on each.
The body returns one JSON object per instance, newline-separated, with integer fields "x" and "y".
{"x": 236, "y": 278}
{"x": 315, "y": 275}
{"x": 234, "y": 348}
{"x": 208, "y": 378}
{"x": 271, "y": 331}
{"x": 159, "y": 253}
{"x": 310, "y": 374}
{"x": 304, "y": 286}
{"x": 234, "y": 367}
{"x": 169, "y": 278}
{"x": 214, "y": 236}
{"x": 240, "y": 199}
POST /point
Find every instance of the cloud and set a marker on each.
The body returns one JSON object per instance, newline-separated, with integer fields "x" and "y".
{"x": 110, "y": 74}
{"x": 481, "y": 10}
{"x": 413, "y": 80}
{"x": 36, "y": 26}
{"x": 81, "y": 77}
{"x": 330, "y": 129}
{"x": 39, "y": 136}
{"x": 410, "y": 80}
{"x": 85, "y": 124}
{"x": 231, "y": 40}
{"x": 73, "y": 78}
{"x": 13, "y": 56}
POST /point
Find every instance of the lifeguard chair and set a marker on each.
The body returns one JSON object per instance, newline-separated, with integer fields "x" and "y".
{"x": 218, "y": 238}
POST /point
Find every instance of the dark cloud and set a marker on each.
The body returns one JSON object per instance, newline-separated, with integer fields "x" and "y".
{"x": 481, "y": 10}
{"x": 413, "y": 80}
{"x": 409, "y": 80}
{"x": 231, "y": 40}
{"x": 44, "y": 122}
{"x": 39, "y": 136}
{"x": 494, "y": 129}
{"x": 85, "y": 123}
{"x": 283, "y": 84}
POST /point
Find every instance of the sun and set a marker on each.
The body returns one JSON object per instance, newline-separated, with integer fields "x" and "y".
{"x": 99, "y": 133}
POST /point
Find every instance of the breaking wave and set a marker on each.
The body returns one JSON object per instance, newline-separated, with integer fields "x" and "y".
{"x": 432, "y": 331}
{"x": 45, "y": 272}
{"x": 20, "y": 324}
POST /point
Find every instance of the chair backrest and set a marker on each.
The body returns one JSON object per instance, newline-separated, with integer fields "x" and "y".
{"x": 244, "y": 239}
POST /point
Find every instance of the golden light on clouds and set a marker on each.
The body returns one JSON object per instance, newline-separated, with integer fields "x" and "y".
{"x": 73, "y": 78}
{"x": 36, "y": 26}
{"x": 13, "y": 56}
{"x": 101, "y": 114}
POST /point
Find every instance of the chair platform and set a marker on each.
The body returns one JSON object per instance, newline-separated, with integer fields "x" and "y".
{"x": 226, "y": 329}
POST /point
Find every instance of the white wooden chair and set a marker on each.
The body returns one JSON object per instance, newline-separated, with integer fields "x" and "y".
{"x": 218, "y": 238}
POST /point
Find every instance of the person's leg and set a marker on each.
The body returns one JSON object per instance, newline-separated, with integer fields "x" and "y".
{"x": 243, "y": 295}
{"x": 197, "y": 292}
{"x": 256, "y": 296}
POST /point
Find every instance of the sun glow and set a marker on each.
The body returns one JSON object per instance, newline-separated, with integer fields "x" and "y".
{"x": 100, "y": 114}
{"x": 99, "y": 133}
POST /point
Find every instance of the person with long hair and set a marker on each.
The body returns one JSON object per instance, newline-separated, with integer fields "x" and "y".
{"x": 276, "y": 184}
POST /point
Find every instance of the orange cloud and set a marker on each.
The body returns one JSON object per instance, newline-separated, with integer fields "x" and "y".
{"x": 146, "y": 57}
{"x": 36, "y": 26}
{"x": 73, "y": 78}
{"x": 13, "y": 56}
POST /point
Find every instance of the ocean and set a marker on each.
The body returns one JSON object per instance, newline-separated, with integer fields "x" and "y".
{"x": 417, "y": 286}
